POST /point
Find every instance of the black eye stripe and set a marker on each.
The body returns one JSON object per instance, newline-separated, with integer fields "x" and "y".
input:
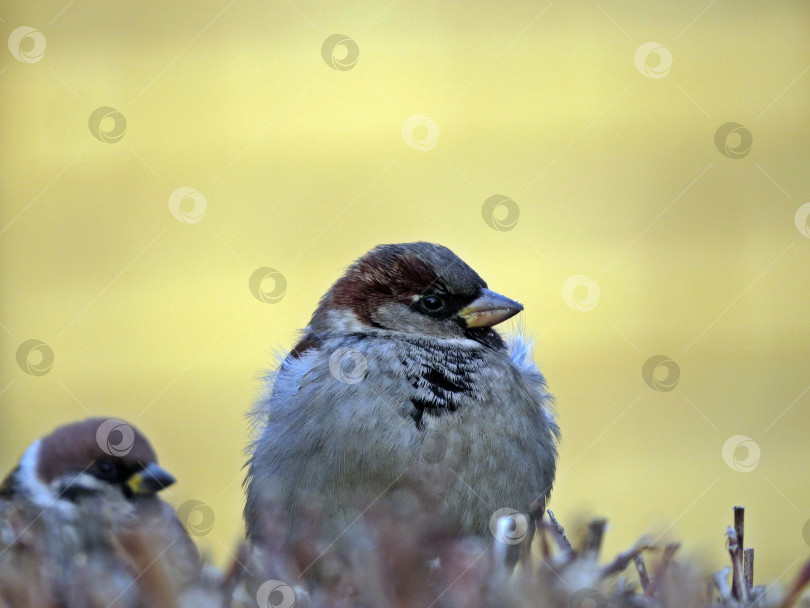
{"x": 450, "y": 304}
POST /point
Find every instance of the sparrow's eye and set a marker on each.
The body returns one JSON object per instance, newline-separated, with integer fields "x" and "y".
{"x": 106, "y": 468}
{"x": 432, "y": 303}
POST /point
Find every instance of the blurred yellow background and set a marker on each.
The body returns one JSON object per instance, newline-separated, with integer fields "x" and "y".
{"x": 685, "y": 238}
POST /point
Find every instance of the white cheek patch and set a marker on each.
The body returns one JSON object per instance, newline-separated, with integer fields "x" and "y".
{"x": 33, "y": 487}
{"x": 344, "y": 320}
{"x": 83, "y": 481}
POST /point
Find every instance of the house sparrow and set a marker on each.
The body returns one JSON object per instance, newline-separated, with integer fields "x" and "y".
{"x": 400, "y": 385}
{"x": 83, "y": 458}
{"x": 80, "y": 519}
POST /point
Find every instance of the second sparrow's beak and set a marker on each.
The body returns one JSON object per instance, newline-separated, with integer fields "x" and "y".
{"x": 489, "y": 309}
{"x": 150, "y": 480}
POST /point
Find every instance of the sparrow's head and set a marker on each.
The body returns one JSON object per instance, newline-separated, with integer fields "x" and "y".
{"x": 418, "y": 288}
{"x": 91, "y": 456}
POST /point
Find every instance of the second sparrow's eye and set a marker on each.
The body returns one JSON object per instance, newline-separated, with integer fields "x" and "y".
{"x": 432, "y": 303}
{"x": 106, "y": 468}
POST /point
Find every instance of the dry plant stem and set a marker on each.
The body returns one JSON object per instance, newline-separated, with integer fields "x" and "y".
{"x": 545, "y": 548}
{"x": 234, "y": 573}
{"x": 536, "y": 510}
{"x": 641, "y": 568}
{"x": 566, "y": 554}
{"x": 796, "y": 587}
{"x": 748, "y": 568}
{"x": 566, "y": 544}
{"x": 623, "y": 559}
{"x": 593, "y": 539}
{"x": 526, "y": 546}
{"x": 738, "y": 588}
{"x": 661, "y": 569}
{"x": 739, "y": 524}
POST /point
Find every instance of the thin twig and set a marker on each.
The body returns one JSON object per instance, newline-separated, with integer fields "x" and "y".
{"x": 796, "y": 587}
{"x": 661, "y": 569}
{"x": 536, "y": 510}
{"x": 623, "y": 559}
{"x": 234, "y": 572}
{"x": 641, "y": 568}
{"x": 748, "y": 568}
{"x": 593, "y": 538}
{"x": 545, "y": 548}
{"x": 738, "y": 588}
{"x": 566, "y": 544}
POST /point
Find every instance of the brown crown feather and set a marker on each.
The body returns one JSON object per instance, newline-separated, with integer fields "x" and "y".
{"x": 74, "y": 447}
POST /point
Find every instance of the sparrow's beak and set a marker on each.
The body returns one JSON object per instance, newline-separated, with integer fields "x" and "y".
{"x": 150, "y": 480}
{"x": 489, "y": 309}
